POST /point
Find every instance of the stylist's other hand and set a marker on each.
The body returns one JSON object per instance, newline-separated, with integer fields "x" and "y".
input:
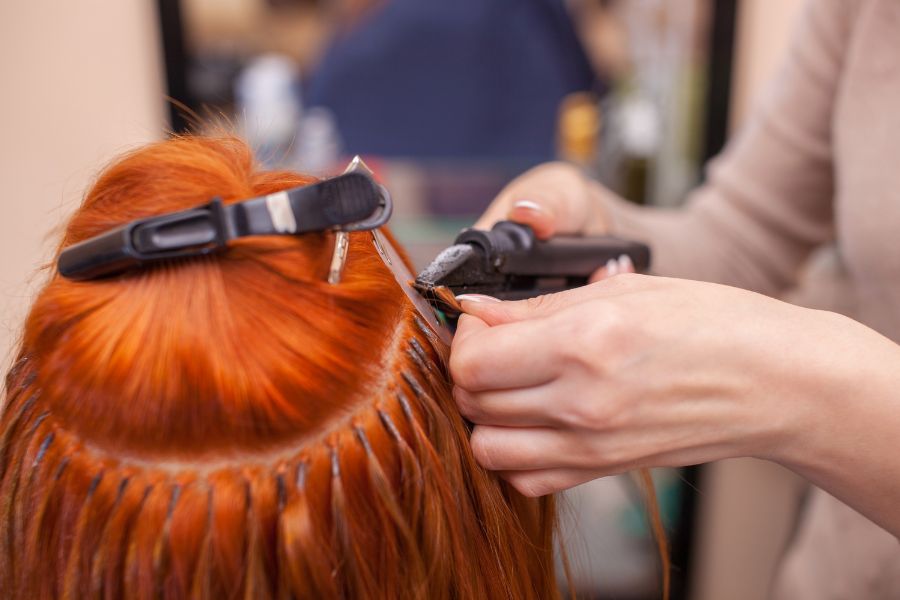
{"x": 639, "y": 371}
{"x": 553, "y": 198}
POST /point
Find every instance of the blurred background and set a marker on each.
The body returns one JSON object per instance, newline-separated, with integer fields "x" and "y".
{"x": 447, "y": 101}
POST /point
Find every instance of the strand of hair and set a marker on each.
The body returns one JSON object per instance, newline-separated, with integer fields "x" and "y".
{"x": 36, "y": 522}
{"x": 72, "y": 577}
{"x": 281, "y": 492}
{"x": 390, "y": 506}
{"x": 12, "y": 497}
{"x": 200, "y": 583}
{"x": 97, "y": 559}
{"x": 410, "y": 469}
{"x": 389, "y": 425}
{"x": 257, "y": 584}
{"x": 10, "y": 429}
{"x": 37, "y": 422}
{"x": 657, "y": 527}
{"x": 424, "y": 327}
{"x": 340, "y": 531}
{"x": 413, "y": 383}
{"x": 282, "y": 585}
{"x": 161, "y": 546}
{"x": 37, "y": 540}
{"x": 335, "y": 463}
{"x": 7, "y": 558}
{"x": 130, "y": 568}
{"x": 302, "y": 472}
{"x": 15, "y": 371}
{"x": 418, "y": 355}
{"x": 43, "y": 449}
{"x": 404, "y": 406}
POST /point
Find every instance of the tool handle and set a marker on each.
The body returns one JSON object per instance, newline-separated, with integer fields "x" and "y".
{"x": 512, "y": 248}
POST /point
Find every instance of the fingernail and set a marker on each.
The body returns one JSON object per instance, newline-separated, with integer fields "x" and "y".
{"x": 612, "y": 267}
{"x": 528, "y": 205}
{"x": 625, "y": 264}
{"x": 476, "y": 298}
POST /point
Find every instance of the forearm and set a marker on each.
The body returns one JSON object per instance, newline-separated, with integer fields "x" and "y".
{"x": 847, "y": 440}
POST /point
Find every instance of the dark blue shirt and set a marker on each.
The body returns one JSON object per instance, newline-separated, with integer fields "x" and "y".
{"x": 467, "y": 79}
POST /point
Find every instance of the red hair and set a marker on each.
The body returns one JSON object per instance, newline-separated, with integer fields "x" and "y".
{"x": 236, "y": 427}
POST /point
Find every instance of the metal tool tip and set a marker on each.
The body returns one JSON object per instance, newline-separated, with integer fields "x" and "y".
{"x": 358, "y": 165}
{"x": 445, "y": 263}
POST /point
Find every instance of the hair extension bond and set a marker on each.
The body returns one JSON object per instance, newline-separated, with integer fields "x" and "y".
{"x": 236, "y": 427}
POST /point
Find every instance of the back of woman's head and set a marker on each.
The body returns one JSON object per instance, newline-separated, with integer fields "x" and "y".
{"x": 235, "y": 426}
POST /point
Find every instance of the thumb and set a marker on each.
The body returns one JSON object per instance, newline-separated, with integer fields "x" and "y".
{"x": 467, "y": 326}
{"x": 496, "y": 312}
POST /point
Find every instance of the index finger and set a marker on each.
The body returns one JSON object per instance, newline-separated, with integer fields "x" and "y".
{"x": 498, "y": 313}
{"x": 508, "y": 356}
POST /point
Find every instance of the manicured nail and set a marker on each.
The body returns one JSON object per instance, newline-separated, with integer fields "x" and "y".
{"x": 612, "y": 267}
{"x": 476, "y": 298}
{"x": 625, "y": 264}
{"x": 528, "y": 205}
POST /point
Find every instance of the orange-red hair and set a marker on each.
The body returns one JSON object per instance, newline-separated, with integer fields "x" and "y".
{"x": 236, "y": 427}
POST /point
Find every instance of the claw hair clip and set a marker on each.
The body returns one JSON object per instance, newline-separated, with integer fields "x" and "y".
{"x": 353, "y": 201}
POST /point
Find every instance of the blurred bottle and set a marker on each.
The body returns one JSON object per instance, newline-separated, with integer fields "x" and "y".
{"x": 578, "y": 134}
{"x": 640, "y": 130}
{"x": 618, "y": 149}
{"x": 267, "y": 96}
{"x": 318, "y": 147}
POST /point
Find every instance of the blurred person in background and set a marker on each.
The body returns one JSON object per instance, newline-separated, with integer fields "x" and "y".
{"x": 650, "y": 371}
{"x": 463, "y": 79}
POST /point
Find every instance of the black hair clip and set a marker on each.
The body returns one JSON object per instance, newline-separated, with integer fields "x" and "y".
{"x": 350, "y": 202}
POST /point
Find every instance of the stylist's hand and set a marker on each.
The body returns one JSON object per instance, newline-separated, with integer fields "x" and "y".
{"x": 553, "y": 198}
{"x": 640, "y": 371}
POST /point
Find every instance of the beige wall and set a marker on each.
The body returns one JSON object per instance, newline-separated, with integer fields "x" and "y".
{"x": 79, "y": 82}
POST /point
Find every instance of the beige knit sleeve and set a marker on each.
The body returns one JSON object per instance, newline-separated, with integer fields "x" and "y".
{"x": 768, "y": 198}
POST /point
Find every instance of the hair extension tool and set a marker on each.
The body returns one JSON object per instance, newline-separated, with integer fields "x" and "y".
{"x": 510, "y": 263}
